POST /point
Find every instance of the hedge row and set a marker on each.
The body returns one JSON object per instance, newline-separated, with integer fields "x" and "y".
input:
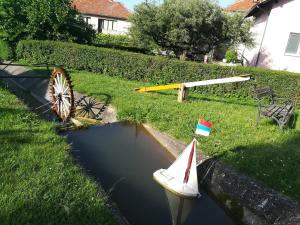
{"x": 120, "y": 42}
{"x": 155, "y": 69}
{"x": 5, "y": 51}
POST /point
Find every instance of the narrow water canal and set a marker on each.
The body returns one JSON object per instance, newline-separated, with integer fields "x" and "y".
{"x": 122, "y": 158}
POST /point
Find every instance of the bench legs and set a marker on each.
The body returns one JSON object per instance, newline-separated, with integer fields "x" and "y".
{"x": 258, "y": 118}
{"x": 280, "y": 123}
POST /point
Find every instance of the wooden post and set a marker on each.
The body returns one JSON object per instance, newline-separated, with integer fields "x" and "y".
{"x": 182, "y": 93}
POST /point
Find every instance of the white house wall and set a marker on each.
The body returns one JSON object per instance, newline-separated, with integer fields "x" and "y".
{"x": 93, "y": 21}
{"x": 283, "y": 19}
{"x": 257, "y": 31}
{"x": 121, "y": 27}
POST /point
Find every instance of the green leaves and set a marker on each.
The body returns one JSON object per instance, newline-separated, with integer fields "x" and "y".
{"x": 192, "y": 26}
{"x": 238, "y": 30}
{"x": 122, "y": 42}
{"x": 231, "y": 56}
{"x": 42, "y": 20}
{"x": 5, "y": 51}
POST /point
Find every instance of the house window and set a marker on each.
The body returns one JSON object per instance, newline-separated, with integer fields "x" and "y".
{"x": 100, "y": 25}
{"x": 86, "y": 19}
{"x": 293, "y": 44}
{"x": 109, "y": 25}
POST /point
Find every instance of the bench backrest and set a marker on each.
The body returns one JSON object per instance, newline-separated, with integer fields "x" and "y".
{"x": 266, "y": 91}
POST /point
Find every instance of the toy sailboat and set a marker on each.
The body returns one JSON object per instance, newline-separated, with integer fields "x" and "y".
{"x": 181, "y": 177}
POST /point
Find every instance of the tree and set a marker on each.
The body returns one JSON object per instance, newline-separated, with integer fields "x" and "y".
{"x": 238, "y": 30}
{"x": 43, "y": 20}
{"x": 190, "y": 27}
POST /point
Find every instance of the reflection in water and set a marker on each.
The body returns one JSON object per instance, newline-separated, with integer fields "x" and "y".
{"x": 122, "y": 158}
{"x": 180, "y": 208}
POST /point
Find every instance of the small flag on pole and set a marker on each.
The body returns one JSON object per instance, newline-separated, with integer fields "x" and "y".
{"x": 203, "y": 128}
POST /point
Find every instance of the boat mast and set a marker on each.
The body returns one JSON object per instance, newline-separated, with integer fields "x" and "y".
{"x": 188, "y": 169}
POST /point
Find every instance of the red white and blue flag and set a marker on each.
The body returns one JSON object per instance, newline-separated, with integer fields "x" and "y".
{"x": 203, "y": 128}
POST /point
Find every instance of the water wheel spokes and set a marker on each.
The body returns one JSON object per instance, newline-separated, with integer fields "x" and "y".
{"x": 61, "y": 94}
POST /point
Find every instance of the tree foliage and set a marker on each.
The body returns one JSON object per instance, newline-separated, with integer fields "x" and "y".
{"x": 43, "y": 20}
{"x": 238, "y": 30}
{"x": 5, "y": 51}
{"x": 188, "y": 27}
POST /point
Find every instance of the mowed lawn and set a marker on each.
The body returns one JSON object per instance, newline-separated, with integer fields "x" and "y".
{"x": 263, "y": 152}
{"x": 39, "y": 183}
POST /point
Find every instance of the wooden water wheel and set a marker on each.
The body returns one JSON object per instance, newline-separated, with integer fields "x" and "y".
{"x": 61, "y": 94}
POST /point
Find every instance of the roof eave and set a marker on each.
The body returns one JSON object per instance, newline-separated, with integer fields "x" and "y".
{"x": 258, "y": 7}
{"x": 105, "y": 16}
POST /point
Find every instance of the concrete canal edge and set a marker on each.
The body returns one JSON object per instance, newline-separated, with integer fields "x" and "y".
{"x": 247, "y": 200}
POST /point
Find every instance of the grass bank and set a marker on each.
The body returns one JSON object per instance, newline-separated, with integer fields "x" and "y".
{"x": 263, "y": 152}
{"x": 39, "y": 183}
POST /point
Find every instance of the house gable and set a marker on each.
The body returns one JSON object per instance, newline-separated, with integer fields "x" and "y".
{"x": 102, "y": 8}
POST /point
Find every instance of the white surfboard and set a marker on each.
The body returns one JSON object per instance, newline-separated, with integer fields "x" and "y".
{"x": 181, "y": 177}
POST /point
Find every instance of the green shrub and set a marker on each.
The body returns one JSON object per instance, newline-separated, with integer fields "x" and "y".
{"x": 158, "y": 70}
{"x": 121, "y": 42}
{"x": 115, "y": 40}
{"x": 231, "y": 56}
{"x": 5, "y": 51}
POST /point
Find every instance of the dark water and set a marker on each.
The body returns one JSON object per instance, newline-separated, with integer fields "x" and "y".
{"x": 123, "y": 158}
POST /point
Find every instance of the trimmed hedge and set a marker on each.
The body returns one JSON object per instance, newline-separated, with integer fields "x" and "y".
{"x": 154, "y": 69}
{"x": 120, "y": 42}
{"x": 231, "y": 56}
{"x": 5, "y": 51}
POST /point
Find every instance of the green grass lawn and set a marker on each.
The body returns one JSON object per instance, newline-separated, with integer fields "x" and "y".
{"x": 39, "y": 183}
{"x": 263, "y": 152}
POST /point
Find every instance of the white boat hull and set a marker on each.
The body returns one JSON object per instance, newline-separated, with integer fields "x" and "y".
{"x": 174, "y": 185}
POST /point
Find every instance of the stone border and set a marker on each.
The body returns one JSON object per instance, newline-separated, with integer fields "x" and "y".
{"x": 247, "y": 200}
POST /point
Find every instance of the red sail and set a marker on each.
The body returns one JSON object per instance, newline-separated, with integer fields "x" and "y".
{"x": 187, "y": 172}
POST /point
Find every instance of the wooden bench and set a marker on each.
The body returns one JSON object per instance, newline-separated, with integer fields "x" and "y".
{"x": 281, "y": 113}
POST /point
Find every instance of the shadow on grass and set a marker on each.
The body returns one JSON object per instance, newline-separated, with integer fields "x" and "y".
{"x": 19, "y": 137}
{"x": 106, "y": 98}
{"x": 16, "y": 137}
{"x": 44, "y": 112}
{"x": 290, "y": 125}
{"x": 43, "y": 71}
{"x": 226, "y": 100}
{"x": 37, "y": 210}
{"x": 277, "y": 165}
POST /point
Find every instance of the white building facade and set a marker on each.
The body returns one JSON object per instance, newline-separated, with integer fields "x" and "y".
{"x": 107, "y": 25}
{"x": 105, "y": 16}
{"x": 277, "y": 36}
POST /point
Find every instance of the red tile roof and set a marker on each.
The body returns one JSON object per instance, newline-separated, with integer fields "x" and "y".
{"x": 106, "y": 8}
{"x": 242, "y": 5}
